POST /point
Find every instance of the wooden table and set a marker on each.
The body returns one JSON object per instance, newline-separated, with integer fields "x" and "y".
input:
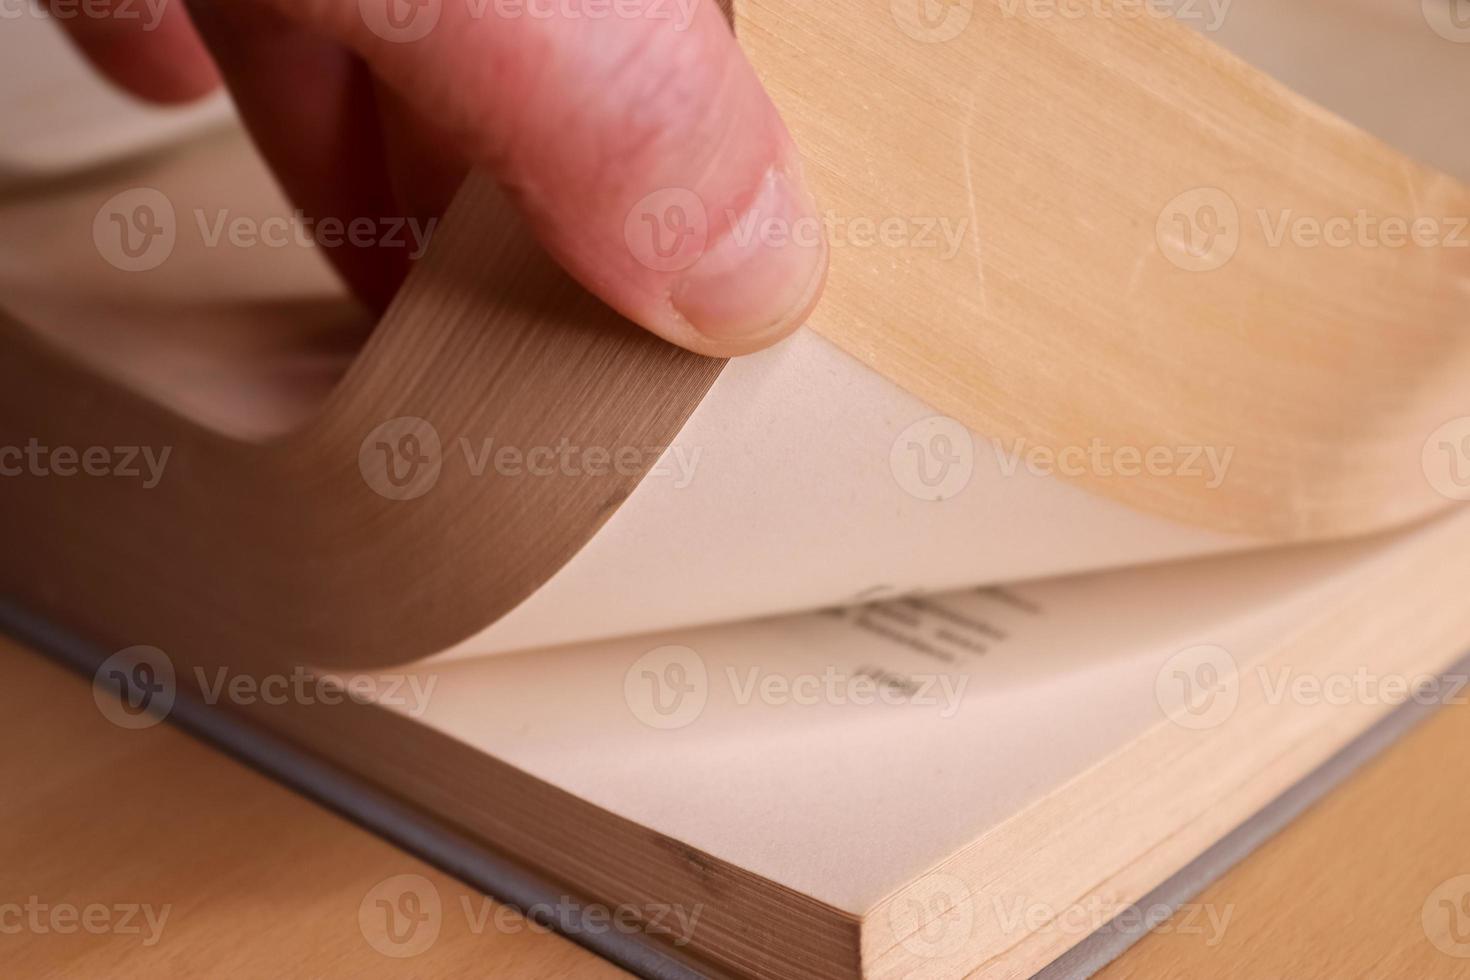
{"x": 105, "y": 827}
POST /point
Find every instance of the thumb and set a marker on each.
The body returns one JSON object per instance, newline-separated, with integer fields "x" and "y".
{"x": 633, "y": 135}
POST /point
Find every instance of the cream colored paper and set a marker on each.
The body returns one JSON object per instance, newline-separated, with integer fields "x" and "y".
{"x": 724, "y": 738}
{"x": 806, "y": 487}
{"x": 800, "y": 482}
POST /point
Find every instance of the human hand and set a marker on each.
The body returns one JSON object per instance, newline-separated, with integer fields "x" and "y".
{"x": 608, "y": 122}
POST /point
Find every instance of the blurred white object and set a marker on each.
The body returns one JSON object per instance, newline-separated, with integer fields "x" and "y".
{"x": 57, "y": 115}
{"x": 1400, "y": 70}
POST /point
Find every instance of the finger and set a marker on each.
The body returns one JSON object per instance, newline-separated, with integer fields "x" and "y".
{"x": 641, "y": 147}
{"x": 149, "y": 49}
{"x": 310, "y": 106}
{"x": 425, "y": 165}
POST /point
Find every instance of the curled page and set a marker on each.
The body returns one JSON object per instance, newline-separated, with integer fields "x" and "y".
{"x": 1062, "y": 376}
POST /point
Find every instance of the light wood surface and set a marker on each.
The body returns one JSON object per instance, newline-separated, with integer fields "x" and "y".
{"x": 257, "y": 881}
{"x": 260, "y": 882}
{"x": 1361, "y": 886}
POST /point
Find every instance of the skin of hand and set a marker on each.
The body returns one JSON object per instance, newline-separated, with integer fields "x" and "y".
{"x": 633, "y": 136}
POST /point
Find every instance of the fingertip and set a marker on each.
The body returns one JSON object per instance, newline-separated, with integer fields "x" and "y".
{"x": 159, "y": 60}
{"x": 169, "y": 82}
{"x": 762, "y": 278}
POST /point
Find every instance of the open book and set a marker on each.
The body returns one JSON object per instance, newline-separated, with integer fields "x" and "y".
{"x": 800, "y": 646}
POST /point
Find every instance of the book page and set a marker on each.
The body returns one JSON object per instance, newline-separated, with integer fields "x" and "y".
{"x": 805, "y": 479}
{"x": 866, "y": 745}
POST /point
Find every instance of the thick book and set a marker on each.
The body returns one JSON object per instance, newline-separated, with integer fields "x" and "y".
{"x": 1106, "y": 495}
